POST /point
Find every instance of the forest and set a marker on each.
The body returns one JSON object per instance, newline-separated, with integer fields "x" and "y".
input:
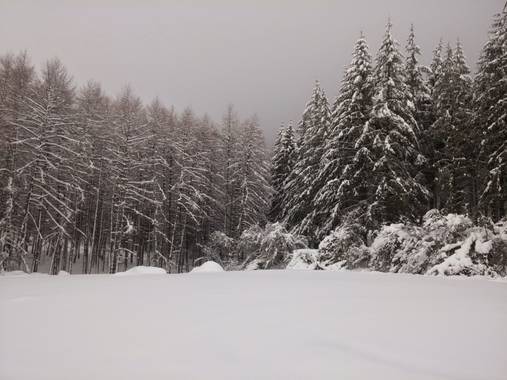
{"x": 110, "y": 183}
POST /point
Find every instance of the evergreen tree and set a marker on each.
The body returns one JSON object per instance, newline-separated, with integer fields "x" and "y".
{"x": 300, "y": 186}
{"x": 282, "y": 165}
{"x": 490, "y": 106}
{"x": 421, "y": 98}
{"x": 254, "y": 191}
{"x": 381, "y": 181}
{"x": 435, "y": 68}
{"x": 229, "y": 149}
{"x": 428, "y": 140}
{"x": 415, "y": 82}
{"x": 351, "y": 110}
{"x": 455, "y": 143}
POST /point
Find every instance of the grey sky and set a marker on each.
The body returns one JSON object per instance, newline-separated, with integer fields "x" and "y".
{"x": 263, "y": 56}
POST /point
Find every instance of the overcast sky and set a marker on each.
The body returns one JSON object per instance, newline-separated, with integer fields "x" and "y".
{"x": 262, "y": 56}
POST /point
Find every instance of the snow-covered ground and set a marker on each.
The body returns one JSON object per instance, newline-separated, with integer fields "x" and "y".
{"x": 252, "y": 325}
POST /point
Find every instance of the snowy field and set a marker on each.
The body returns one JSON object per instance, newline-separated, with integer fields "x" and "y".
{"x": 252, "y": 325}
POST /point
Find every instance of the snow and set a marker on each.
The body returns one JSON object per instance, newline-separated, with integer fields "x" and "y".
{"x": 253, "y": 325}
{"x": 14, "y": 273}
{"x": 141, "y": 270}
{"x": 208, "y": 267}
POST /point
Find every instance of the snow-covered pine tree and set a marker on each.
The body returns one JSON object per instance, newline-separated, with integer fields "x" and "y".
{"x": 282, "y": 164}
{"x": 16, "y": 82}
{"x": 48, "y": 138}
{"x": 434, "y": 72}
{"x": 130, "y": 188}
{"x": 490, "y": 109}
{"x": 208, "y": 138}
{"x": 351, "y": 110}
{"x": 455, "y": 145}
{"x": 229, "y": 148}
{"x": 254, "y": 190}
{"x": 382, "y": 180}
{"x": 161, "y": 148}
{"x": 421, "y": 97}
{"x": 301, "y": 187}
{"x": 92, "y": 114}
{"x": 435, "y": 68}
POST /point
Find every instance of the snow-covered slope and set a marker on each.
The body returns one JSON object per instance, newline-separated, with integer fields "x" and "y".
{"x": 252, "y": 325}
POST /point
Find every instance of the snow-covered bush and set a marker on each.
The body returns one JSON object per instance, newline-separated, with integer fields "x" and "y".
{"x": 497, "y": 256}
{"x": 305, "y": 259}
{"x": 219, "y": 248}
{"x": 345, "y": 247}
{"x": 269, "y": 247}
{"x": 442, "y": 245}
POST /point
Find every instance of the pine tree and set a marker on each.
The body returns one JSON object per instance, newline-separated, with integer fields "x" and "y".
{"x": 52, "y": 176}
{"x": 351, "y": 110}
{"x": 382, "y": 178}
{"x": 300, "y": 187}
{"x": 16, "y": 83}
{"x": 93, "y": 116}
{"x": 421, "y": 98}
{"x": 428, "y": 140}
{"x": 490, "y": 106}
{"x": 435, "y": 68}
{"x": 281, "y": 167}
{"x": 254, "y": 190}
{"x": 415, "y": 82}
{"x": 229, "y": 149}
{"x": 454, "y": 142}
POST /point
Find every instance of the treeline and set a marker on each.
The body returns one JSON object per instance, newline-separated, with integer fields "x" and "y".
{"x": 400, "y": 139}
{"x": 109, "y": 183}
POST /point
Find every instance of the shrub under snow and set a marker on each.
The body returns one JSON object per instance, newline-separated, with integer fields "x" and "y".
{"x": 345, "y": 247}
{"x": 268, "y": 247}
{"x": 220, "y": 248}
{"x": 442, "y": 245}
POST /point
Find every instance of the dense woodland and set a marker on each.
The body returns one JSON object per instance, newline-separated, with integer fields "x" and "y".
{"x": 399, "y": 139}
{"x": 111, "y": 183}
{"x": 107, "y": 183}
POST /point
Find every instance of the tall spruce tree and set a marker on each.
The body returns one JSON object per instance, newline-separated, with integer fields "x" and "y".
{"x": 382, "y": 180}
{"x": 254, "y": 190}
{"x": 435, "y": 68}
{"x": 420, "y": 92}
{"x": 429, "y": 142}
{"x": 415, "y": 81}
{"x": 490, "y": 106}
{"x": 281, "y": 167}
{"x": 300, "y": 185}
{"x": 351, "y": 110}
{"x": 454, "y": 141}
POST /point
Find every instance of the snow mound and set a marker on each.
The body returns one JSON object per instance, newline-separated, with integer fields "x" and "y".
{"x": 208, "y": 267}
{"x": 140, "y": 270}
{"x": 63, "y": 273}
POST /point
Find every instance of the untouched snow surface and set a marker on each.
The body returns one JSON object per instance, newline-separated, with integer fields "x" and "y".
{"x": 252, "y": 325}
